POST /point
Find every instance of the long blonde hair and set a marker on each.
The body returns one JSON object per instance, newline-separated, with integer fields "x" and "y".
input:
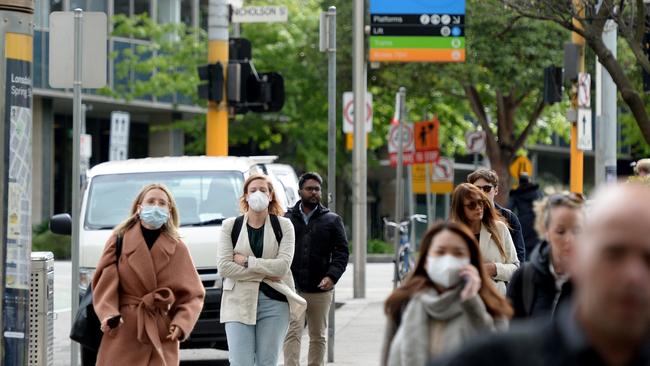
{"x": 274, "y": 205}
{"x": 490, "y": 215}
{"x": 170, "y": 228}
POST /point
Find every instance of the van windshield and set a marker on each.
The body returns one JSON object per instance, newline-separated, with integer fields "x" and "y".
{"x": 202, "y": 197}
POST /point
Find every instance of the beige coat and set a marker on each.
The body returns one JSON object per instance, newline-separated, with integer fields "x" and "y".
{"x": 152, "y": 290}
{"x": 241, "y": 285}
{"x": 490, "y": 252}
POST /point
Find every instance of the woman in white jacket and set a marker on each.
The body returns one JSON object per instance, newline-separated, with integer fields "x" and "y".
{"x": 470, "y": 206}
{"x": 259, "y": 295}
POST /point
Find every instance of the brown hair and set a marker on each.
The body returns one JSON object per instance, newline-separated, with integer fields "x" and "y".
{"x": 170, "y": 228}
{"x": 489, "y": 175}
{"x": 418, "y": 280}
{"x": 490, "y": 215}
{"x": 274, "y": 205}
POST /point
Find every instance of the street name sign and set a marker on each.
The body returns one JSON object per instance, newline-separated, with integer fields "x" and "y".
{"x": 348, "y": 112}
{"x": 417, "y": 31}
{"x": 260, "y": 14}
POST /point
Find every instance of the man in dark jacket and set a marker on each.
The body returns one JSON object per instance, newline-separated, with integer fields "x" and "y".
{"x": 320, "y": 259}
{"x": 608, "y": 320}
{"x": 533, "y": 288}
{"x": 488, "y": 181}
{"x": 521, "y": 203}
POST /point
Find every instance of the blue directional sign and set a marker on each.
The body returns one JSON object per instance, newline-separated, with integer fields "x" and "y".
{"x": 417, "y": 30}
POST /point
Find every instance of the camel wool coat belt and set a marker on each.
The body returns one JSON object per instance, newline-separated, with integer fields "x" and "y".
{"x": 152, "y": 290}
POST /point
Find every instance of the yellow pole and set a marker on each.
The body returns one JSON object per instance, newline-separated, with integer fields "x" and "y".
{"x": 216, "y": 129}
{"x": 577, "y": 156}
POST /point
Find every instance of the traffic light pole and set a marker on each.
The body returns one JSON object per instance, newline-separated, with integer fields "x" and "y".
{"x": 606, "y": 121}
{"x": 216, "y": 129}
{"x": 577, "y": 156}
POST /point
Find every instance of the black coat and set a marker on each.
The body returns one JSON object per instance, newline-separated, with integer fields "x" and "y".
{"x": 546, "y": 298}
{"x": 521, "y": 203}
{"x": 321, "y": 248}
{"x": 558, "y": 342}
{"x": 515, "y": 231}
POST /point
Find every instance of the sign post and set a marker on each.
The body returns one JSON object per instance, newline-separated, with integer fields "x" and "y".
{"x": 77, "y": 39}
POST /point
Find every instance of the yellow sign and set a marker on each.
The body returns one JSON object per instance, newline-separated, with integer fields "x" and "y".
{"x": 419, "y": 181}
{"x": 520, "y": 165}
{"x": 349, "y": 141}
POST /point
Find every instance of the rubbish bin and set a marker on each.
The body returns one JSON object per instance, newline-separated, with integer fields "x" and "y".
{"x": 41, "y": 310}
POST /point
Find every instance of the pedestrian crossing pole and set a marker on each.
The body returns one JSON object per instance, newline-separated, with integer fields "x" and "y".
{"x": 216, "y": 129}
{"x": 577, "y": 156}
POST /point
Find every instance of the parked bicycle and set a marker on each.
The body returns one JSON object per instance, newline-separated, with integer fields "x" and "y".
{"x": 405, "y": 258}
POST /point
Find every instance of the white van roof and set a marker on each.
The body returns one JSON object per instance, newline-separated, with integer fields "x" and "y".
{"x": 172, "y": 163}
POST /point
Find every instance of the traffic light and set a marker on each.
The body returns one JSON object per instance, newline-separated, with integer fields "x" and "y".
{"x": 552, "y": 85}
{"x": 211, "y": 84}
{"x": 248, "y": 90}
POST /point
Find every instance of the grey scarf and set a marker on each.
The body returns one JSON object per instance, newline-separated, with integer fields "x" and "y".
{"x": 411, "y": 343}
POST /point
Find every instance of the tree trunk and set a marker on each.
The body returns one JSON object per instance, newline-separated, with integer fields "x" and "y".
{"x": 629, "y": 94}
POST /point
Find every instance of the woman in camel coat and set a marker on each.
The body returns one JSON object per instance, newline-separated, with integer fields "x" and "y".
{"x": 153, "y": 294}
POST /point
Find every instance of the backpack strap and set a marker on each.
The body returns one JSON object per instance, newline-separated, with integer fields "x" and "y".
{"x": 236, "y": 229}
{"x": 118, "y": 249}
{"x": 239, "y": 222}
{"x": 528, "y": 287}
{"x": 277, "y": 229}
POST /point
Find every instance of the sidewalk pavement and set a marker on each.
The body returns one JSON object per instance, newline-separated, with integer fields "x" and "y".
{"x": 359, "y": 323}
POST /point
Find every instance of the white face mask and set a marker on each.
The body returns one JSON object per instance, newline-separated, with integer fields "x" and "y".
{"x": 258, "y": 201}
{"x": 444, "y": 270}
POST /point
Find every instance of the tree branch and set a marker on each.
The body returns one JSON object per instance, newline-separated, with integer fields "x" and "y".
{"x": 478, "y": 108}
{"x": 532, "y": 121}
{"x": 640, "y": 21}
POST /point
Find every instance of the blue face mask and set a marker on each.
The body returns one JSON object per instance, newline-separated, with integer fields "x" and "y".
{"x": 154, "y": 216}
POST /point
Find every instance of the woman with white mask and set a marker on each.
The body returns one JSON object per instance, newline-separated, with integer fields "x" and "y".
{"x": 254, "y": 255}
{"x": 447, "y": 299}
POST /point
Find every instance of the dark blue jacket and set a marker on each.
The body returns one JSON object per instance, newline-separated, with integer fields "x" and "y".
{"x": 321, "y": 248}
{"x": 515, "y": 231}
{"x": 545, "y": 296}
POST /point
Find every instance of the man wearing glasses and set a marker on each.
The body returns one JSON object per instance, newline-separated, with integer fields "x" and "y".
{"x": 320, "y": 259}
{"x": 488, "y": 181}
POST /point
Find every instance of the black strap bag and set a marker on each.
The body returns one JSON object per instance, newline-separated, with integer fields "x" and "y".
{"x": 86, "y": 327}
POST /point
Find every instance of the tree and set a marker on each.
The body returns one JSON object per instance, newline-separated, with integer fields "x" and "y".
{"x": 500, "y": 84}
{"x": 587, "y": 20}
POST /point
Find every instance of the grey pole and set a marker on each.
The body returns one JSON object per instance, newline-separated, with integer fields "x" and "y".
{"x": 606, "y": 116}
{"x": 331, "y": 151}
{"x": 359, "y": 168}
{"x": 76, "y": 174}
{"x": 411, "y": 201}
{"x": 399, "y": 196}
{"x": 427, "y": 179}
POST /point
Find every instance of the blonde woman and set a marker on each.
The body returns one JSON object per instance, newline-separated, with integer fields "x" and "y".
{"x": 149, "y": 299}
{"x": 470, "y": 206}
{"x": 254, "y": 256}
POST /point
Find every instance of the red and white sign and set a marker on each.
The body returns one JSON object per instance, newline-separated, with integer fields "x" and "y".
{"x": 475, "y": 142}
{"x": 584, "y": 90}
{"x": 348, "y": 112}
{"x": 418, "y": 157}
{"x": 443, "y": 170}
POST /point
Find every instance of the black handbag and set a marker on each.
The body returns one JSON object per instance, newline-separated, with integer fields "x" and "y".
{"x": 86, "y": 327}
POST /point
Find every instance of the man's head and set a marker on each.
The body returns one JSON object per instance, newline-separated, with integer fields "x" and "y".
{"x": 487, "y": 180}
{"x": 611, "y": 265}
{"x": 642, "y": 167}
{"x": 309, "y": 189}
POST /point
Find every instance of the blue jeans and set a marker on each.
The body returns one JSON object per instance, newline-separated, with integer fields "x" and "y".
{"x": 259, "y": 344}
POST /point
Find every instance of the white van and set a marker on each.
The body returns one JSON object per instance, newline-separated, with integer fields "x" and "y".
{"x": 206, "y": 190}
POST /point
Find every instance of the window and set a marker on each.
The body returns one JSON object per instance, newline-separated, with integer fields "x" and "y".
{"x": 89, "y": 5}
{"x": 202, "y": 197}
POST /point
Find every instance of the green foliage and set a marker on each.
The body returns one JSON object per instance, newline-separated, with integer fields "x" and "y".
{"x": 43, "y": 240}
{"x": 629, "y": 127}
{"x": 162, "y": 60}
{"x": 377, "y": 246}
